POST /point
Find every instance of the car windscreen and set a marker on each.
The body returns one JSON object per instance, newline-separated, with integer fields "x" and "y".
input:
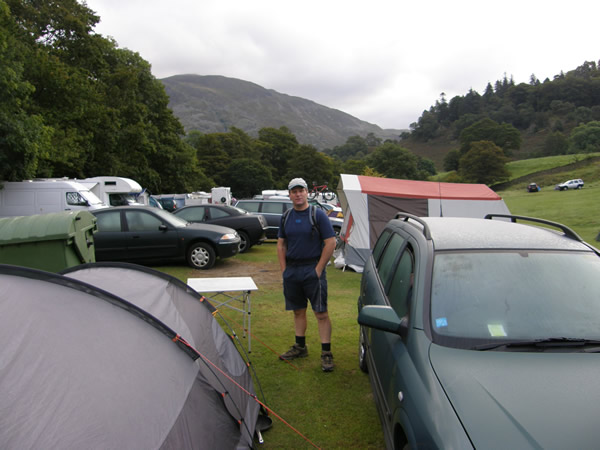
{"x": 171, "y": 218}
{"x": 91, "y": 198}
{"x": 514, "y": 295}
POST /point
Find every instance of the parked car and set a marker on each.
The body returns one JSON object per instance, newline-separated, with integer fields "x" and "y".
{"x": 143, "y": 234}
{"x": 272, "y": 209}
{"x": 533, "y": 187}
{"x": 154, "y": 203}
{"x": 329, "y": 209}
{"x": 167, "y": 203}
{"x": 250, "y": 227}
{"x": 482, "y": 332}
{"x": 570, "y": 184}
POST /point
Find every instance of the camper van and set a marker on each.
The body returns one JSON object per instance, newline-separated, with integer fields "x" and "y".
{"x": 114, "y": 191}
{"x": 26, "y": 198}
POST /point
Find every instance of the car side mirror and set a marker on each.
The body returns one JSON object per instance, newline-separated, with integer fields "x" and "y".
{"x": 383, "y": 318}
{"x": 403, "y": 327}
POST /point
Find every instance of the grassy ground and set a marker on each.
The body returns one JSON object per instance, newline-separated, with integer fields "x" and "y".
{"x": 310, "y": 408}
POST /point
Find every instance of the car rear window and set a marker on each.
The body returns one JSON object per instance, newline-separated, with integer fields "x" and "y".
{"x": 249, "y": 206}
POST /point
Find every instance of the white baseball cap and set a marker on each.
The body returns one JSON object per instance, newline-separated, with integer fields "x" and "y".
{"x": 297, "y": 182}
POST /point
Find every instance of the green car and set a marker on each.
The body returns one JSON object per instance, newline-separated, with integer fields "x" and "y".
{"x": 482, "y": 333}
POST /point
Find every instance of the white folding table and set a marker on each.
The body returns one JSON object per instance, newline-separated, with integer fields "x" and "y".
{"x": 224, "y": 291}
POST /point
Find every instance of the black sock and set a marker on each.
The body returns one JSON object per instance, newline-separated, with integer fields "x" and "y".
{"x": 301, "y": 341}
{"x": 326, "y": 347}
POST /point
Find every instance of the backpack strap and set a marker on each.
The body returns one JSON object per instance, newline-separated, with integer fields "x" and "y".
{"x": 312, "y": 213}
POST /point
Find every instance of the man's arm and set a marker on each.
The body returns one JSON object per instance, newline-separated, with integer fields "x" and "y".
{"x": 328, "y": 248}
{"x": 281, "y": 252}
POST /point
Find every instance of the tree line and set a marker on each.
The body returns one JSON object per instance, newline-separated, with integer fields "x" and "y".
{"x": 74, "y": 104}
{"x": 555, "y": 106}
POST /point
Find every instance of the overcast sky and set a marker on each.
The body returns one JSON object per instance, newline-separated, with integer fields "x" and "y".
{"x": 383, "y": 61}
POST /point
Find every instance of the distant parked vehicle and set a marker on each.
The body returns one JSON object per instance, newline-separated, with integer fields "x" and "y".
{"x": 48, "y": 195}
{"x": 571, "y": 184}
{"x": 251, "y": 227}
{"x": 168, "y": 203}
{"x": 533, "y": 187}
{"x": 114, "y": 191}
{"x": 272, "y": 211}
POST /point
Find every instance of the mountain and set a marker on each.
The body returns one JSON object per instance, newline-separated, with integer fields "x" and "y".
{"x": 213, "y": 104}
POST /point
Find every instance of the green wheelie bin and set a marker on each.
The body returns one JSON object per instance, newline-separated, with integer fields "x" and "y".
{"x": 51, "y": 242}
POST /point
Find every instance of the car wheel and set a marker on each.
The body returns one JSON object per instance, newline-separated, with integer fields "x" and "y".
{"x": 244, "y": 241}
{"x": 362, "y": 352}
{"x": 201, "y": 256}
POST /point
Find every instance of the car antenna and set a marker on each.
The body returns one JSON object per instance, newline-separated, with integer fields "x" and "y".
{"x": 440, "y": 191}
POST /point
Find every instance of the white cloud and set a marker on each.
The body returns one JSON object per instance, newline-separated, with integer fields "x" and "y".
{"x": 382, "y": 61}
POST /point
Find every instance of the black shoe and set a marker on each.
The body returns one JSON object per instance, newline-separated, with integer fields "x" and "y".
{"x": 326, "y": 361}
{"x": 294, "y": 352}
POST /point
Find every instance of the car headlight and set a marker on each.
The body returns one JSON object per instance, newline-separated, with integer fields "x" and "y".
{"x": 229, "y": 237}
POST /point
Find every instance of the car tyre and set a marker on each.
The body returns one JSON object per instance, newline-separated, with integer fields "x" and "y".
{"x": 244, "y": 241}
{"x": 362, "y": 352}
{"x": 201, "y": 256}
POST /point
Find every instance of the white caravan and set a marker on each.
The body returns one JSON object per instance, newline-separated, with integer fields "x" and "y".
{"x": 26, "y": 198}
{"x": 114, "y": 191}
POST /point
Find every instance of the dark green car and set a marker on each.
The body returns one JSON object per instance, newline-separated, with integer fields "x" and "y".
{"x": 482, "y": 333}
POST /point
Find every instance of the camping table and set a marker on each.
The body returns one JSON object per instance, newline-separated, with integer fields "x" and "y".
{"x": 224, "y": 291}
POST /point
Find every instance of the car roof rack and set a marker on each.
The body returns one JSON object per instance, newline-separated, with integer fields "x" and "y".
{"x": 566, "y": 230}
{"x": 406, "y": 216}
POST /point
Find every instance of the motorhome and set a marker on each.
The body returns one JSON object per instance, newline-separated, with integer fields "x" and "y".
{"x": 114, "y": 191}
{"x": 40, "y": 196}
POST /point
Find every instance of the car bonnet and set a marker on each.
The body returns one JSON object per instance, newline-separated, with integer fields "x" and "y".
{"x": 522, "y": 399}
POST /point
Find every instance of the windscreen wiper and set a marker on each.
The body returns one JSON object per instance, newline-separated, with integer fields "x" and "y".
{"x": 539, "y": 343}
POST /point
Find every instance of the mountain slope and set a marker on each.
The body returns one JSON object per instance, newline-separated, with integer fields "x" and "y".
{"x": 212, "y": 104}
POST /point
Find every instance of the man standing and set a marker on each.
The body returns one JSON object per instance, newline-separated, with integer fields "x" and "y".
{"x": 305, "y": 244}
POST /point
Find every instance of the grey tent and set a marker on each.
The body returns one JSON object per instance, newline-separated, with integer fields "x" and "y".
{"x": 117, "y": 356}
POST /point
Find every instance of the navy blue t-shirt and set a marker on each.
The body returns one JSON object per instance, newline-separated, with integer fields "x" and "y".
{"x": 302, "y": 241}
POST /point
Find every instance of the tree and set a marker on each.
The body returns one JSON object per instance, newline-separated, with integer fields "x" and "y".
{"x": 277, "y": 147}
{"x": 503, "y": 135}
{"x": 451, "y": 160}
{"x": 308, "y": 163}
{"x": 23, "y": 136}
{"x": 484, "y": 163}
{"x": 355, "y": 147}
{"x": 394, "y": 161}
{"x": 585, "y": 138}
{"x": 91, "y": 108}
{"x": 247, "y": 177}
{"x": 555, "y": 144}
{"x": 354, "y": 166}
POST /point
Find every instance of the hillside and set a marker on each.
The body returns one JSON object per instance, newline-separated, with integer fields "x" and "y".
{"x": 213, "y": 104}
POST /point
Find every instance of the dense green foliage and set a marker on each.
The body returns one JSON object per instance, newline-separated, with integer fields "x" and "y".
{"x": 568, "y": 100}
{"x": 75, "y": 105}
